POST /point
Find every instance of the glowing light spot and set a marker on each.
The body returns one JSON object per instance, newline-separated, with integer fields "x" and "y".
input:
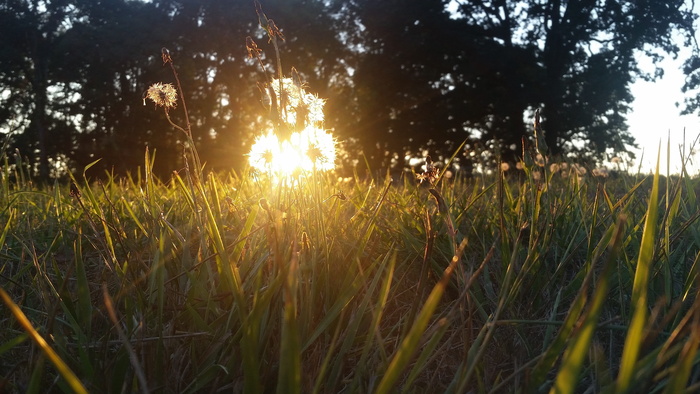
{"x": 310, "y": 148}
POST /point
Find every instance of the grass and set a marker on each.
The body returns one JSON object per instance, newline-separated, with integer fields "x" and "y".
{"x": 246, "y": 284}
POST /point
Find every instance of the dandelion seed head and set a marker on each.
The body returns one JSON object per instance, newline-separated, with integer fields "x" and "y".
{"x": 600, "y": 172}
{"x": 163, "y": 95}
{"x": 312, "y": 149}
{"x": 308, "y": 147}
{"x": 297, "y": 104}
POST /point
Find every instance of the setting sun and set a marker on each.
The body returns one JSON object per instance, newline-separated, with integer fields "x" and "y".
{"x": 311, "y": 149}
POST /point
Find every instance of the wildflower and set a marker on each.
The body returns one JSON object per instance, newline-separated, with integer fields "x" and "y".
{"x": 600, "y": 172}
{"x": 262, "y": 154}
{"x": 299, "y": 108}
{"x": 162, "y": 94}
{"x": 540, "y": 160}
{"x": 505, "y": 167}
{"x": 165, "y": 55}
{"x": 312, "y": 149}
{"x": 431, "y": 173}
{"x": 579, "y": 169}
{"x": 74, "y": 191}
{"x": 273, "y": 30}
{"x": 317, "y": 148}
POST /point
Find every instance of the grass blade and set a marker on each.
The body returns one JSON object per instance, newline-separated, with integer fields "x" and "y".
{"x": 575, "y": 355}
{"x": 635, "y": 333}
{"x": 410, "y": 342}
{"x": 61, "y": 366}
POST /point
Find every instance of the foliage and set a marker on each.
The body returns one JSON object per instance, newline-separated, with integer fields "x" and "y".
{"x": 490, "y": 64}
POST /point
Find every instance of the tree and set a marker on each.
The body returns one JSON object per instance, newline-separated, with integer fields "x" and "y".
{"x": 481, "y": 70}
{"x": 29, "y": 60}
{"x": 94, "y": 60}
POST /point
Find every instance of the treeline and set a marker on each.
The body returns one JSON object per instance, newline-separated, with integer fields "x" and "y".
{"x": 399, "y": 75}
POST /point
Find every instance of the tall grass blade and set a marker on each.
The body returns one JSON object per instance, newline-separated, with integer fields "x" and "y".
{"x": 289, "y": 380}
{"x": 410, "y": 342}
{"x": 575, "y": 355}
{"x": 60, "y": 365}
{"x": 640, "y": 288}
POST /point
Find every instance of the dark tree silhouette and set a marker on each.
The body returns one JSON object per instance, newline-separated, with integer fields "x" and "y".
{"x": 399, "y": 75}
{"x": 31, "y": 59}
{"x": 428, "y": 74}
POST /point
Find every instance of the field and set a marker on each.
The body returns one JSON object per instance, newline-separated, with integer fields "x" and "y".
{"x": 528, "y": 281}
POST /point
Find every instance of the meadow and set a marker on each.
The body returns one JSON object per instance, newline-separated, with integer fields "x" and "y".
{"x": 285, "y": 277}
{"x": 512, "y": 282}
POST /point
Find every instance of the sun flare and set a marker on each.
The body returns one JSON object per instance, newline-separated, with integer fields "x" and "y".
{"x": 311, "y": 149}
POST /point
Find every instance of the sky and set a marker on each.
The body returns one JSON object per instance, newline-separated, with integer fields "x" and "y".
{"x": 655, "y": 118}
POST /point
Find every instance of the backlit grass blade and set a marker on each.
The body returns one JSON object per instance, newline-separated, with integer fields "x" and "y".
{"x": 555, "y": 349}
{"x": 687, "y": 359}
{"x": 61, "y": 366}
{"x": 576, "y": 353}
{"x": 289, "y": 380}
{"x": 635, "y": 332}
{"x": 410, "y": 343}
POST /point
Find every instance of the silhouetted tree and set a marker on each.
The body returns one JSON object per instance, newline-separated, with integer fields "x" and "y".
{"x": 481, "y": 71}
{"x": 33, "y": 98}
{"x": 398, "y": 74}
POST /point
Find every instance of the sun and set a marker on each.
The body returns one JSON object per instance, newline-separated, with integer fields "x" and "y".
{"x": 309, "y": 150}
{"x": 312, "y": 149}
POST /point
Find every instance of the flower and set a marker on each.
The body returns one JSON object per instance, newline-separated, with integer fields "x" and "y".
{"x": 298, "y": 106}
{"x": 162, "y": 94}
{"x": 317, "y": 147}
{"x": 540, "y": 160}
{"x": 252, "y": 47}
{"x": 600, "y": 172}
{"x": 262, "y": 154}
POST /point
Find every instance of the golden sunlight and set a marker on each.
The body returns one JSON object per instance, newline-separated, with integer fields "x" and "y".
{"x": 311, "y": 149}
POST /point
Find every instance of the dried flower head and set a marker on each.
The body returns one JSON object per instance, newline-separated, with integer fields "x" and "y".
{"x": 431, "y": 173}
{"x": 273, "y": 30}
{"x": 165, "y": 55}
{"x": 299, "y": 108}
{"x": 252, "y": 47}
{"x": 162, "y": 94}
{"x": 601, "y": 172}
{"x": 74, "y": 191}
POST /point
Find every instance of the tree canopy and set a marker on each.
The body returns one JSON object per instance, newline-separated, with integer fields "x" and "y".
{"x": 399, "y": 75}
